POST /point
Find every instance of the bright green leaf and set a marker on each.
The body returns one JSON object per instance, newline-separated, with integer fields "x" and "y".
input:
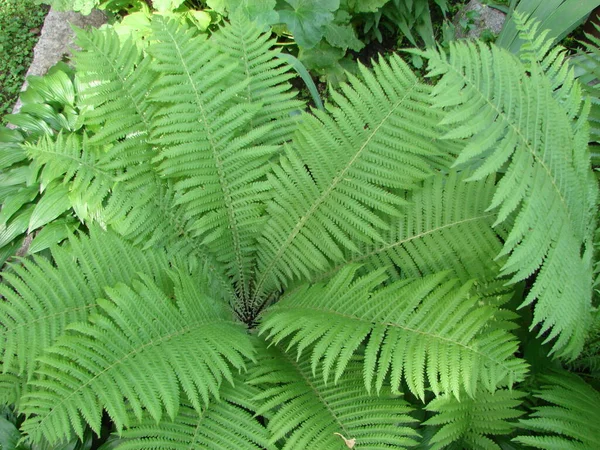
{"x": 53, "y": 203}
{"x": 343, "y": 36}
{"x": 166, "y": 5}
{"x": 366, "y": 5}
{"x": 308, "y": 19}
{"x": 260, "y": 11}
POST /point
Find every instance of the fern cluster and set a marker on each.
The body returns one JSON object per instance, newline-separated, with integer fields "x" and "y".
{"x": 249, "y": 275}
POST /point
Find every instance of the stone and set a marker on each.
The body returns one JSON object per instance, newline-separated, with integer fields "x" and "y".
{"x": 57, "y": 39}
{"x": 482, "y": 18}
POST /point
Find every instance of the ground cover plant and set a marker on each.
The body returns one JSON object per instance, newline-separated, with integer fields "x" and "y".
{"x": 20, "y": 24}
{"x": 411, "y": 267}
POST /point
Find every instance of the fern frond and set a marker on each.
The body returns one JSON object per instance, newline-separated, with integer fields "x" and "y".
{"x": 309, "y": 413}
{"x": 70, "y": 160}
{"x": 570, "y": 421}
{"x": 142, "y": 346}
{"x": 511, "y": 119}
{"x": 590, "y": 65}
{"x": 539, "y": 53}
{"x": 110, "y": 176}
{"x": 446, "y": 227}
{"x": 222, "y": 425}
{"x": 218, "y": 170}
{"x": 471, "y": 422}
{"x": 419, "y": 330}
{"x": 114, "y": 82}
{"x": 41, "y": 297}
{"x": 266, "y": 76}
{"x": 334, "y": 184}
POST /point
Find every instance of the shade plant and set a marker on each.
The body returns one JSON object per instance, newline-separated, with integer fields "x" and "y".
{"x": 412, "y": 266}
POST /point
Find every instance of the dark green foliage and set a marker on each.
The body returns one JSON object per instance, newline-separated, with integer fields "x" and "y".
{"x": 249, "y": 275}
{"x": 20, "y": 24}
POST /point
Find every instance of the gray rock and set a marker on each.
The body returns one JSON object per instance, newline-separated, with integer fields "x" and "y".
{"x": 56, "y": 40}
{"x": 482, "y": 18}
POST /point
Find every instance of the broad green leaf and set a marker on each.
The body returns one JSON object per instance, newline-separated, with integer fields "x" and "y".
{"x": 166, "y": 5}
{"x": 53, "y": 203}
{"x": 307, "y": 19}
{"x": 260, "y": 11}
{"x": 9, "y": 435}
{"x": 343, "y": 36}
{"x": 201, "y": 19}
{"x": 366, "y": 5}
{"x": 52, "y": 234}
{"x": 16, "y": 227}
{"x": 13, "y": 203}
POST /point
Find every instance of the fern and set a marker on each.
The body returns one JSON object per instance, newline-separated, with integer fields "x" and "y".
{"x": 529, "y": 139}
{"x": 248, "y": 275}
{"x": 151, "y": 364}
{"x": 403, "y": 331}
{"x": 471, "y": 421}
{"x": 319, "y": 415}
{"x": 221, "y": 425}
{"x": 332, "y": 185}
{"x": 446, "y": 227}
{"x": 228, "y": 219}
{"x": 43, "y": 297}
{"x": 569, "y": 421}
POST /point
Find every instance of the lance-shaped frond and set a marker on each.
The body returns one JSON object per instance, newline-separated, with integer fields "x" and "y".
{"x": 421, "y": 330}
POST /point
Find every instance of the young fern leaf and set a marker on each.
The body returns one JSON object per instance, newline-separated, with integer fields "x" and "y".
{"x": 41, "y": 297}
{"x": 216, "y": 162}
{"x": 419, "y": 330}
{"x": 471, "y": 422}
{"x": 446, "y": 227}
{"x": 547, "y": 185}
{"x": 266, "y": 76}
{"x": 141, "y": 346}
{"x": 334, "y": 184}
{"x": 309, "y": 413}
{"x": 571, "y": 421}
{"x": 221, "y": 425}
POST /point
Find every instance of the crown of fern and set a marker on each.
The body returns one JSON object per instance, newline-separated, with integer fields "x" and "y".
{"x": 254, "y": 276}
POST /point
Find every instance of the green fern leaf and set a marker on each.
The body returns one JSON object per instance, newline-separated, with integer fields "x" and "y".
{"x": 42, "y": 297}
{"x": 141, "y": 346}
{"x": 417, "y": 330}
{"x": 471, "y": 422}
{"x": 218, "y": 171}
{"x": 222, "y": 425}
{"x": 570, "y": 421}
{"x": 547, "y": 169}
{"x": 446, "y": 227}
{"x": 335, "y": 182}
{"x": 312, "y": 414}
{"x": 111, "y": 176}
{"x": 266, "y": 76}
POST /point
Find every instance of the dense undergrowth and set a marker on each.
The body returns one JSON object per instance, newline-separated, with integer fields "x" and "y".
{"x": 20, "y": 24}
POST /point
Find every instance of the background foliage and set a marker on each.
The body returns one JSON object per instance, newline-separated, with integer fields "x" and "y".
{"x": 20, "y": 24}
